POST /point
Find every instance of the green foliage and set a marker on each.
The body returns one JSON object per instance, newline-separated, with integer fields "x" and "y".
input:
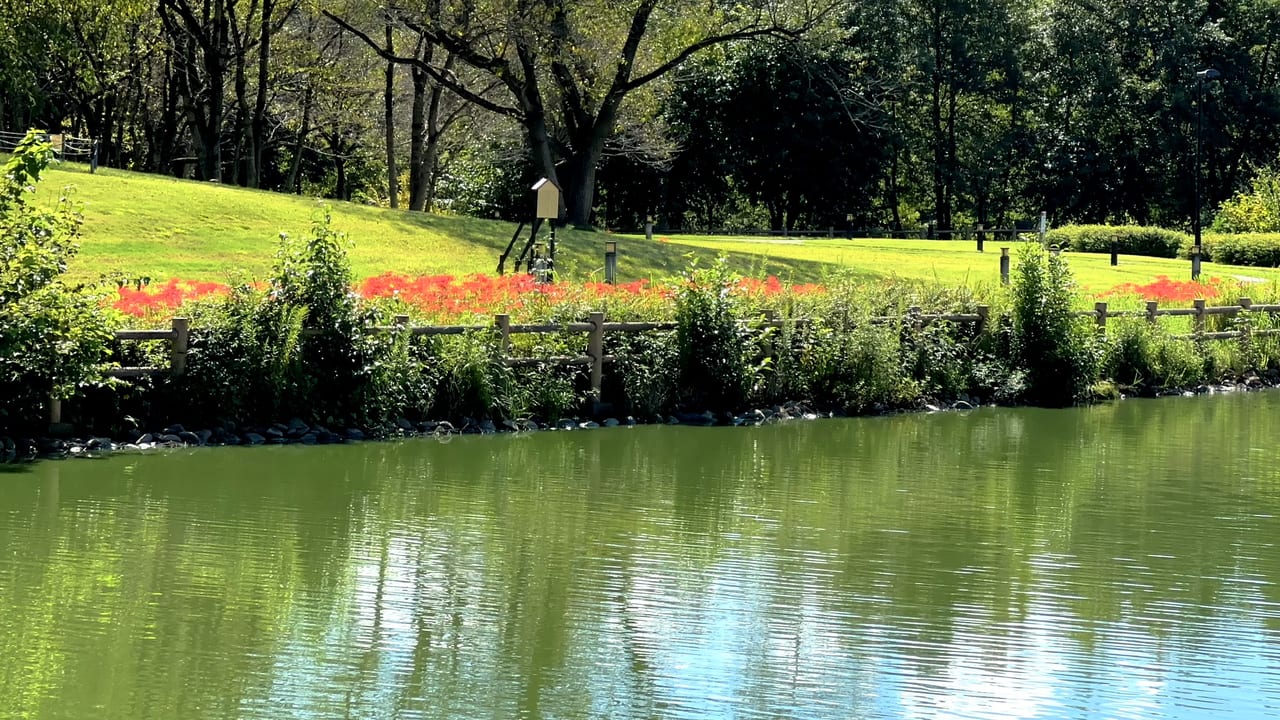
{"x": 1132, "y": 239}
{"x": 856, "y": 367}
{"x": 53, "y": 338}
{"x": 1143, "y": 358}
{"x": 1055, "y": 348}
{"x": 648, "y": 364}
{"x": 1255, "y": 211}
{"x": 470, "y": 376}
{"x": 1251, "y": 249}
{"x": 712, "y": 346}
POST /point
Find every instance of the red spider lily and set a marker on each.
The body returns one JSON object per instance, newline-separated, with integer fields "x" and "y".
{"x": 163, "y": 298}
{"x": 1166, "y": 290}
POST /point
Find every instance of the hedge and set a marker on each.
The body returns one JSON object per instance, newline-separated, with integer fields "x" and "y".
{"x": 1133, "y": 239}
{"x": 1252, "y": 249}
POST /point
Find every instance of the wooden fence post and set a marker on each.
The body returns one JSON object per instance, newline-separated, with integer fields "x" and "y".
{"x": 914, "y": 313}
{"x": 1246, "y": 323}
{"x": 401, "y": 321}
{"x": 984, "y": 316}
{"x": 595, "y": 348}
{"x": 503, "y": 324}
{"x": 1100, "y": 309}
{"x": 1004, "y": 266}
{"x": 55, "y": 410}
{"x": 1152, "y": 308}
{"x": 770, "y": 347}
{"x": 178, "y": 355}
{"x": 1199, "y": 322}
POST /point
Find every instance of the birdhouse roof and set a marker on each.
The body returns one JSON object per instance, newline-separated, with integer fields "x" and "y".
{"x": 545, "y": 181}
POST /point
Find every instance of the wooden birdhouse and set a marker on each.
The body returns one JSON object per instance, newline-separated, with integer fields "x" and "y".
{"x": 547, "y": 199}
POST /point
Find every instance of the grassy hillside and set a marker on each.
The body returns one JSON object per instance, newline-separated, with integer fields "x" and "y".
{"x": 162, "y": 227}
{"x": 151, "y": 225}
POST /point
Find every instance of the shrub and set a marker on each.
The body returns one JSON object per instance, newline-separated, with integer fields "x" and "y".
{"x": 1144, "y": 358}
{"x": 712, "y": 347}
{"x": 1252, "y": 249}
{"x": 1132, "y": 239}
{"x": 857, "y": 367}
{"x": 1054, "y": 347}
{"x": 53, "y": 338}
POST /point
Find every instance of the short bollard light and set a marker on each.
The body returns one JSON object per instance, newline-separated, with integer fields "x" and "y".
{"x": 1004, "y": 266}
{"x": 611, "y": 262}
{"x": 848, "y": 223}
{"x": 1195, "y": 262}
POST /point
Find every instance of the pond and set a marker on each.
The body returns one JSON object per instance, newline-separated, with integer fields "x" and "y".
{"x": 1113, "y": 561}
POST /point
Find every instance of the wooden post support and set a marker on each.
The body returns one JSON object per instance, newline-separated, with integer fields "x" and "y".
{"x": 503, "y": 325}
{"x": 178, "y": 355}
{"x": 914, "y": 313}
{"x": 595, "y": 348}
{"x": 55, "y": 410}
{"x": 1152, "y": 308}
{"x": 1199, "y": 317}
{"x": 1100, "y": 310}
{"x": 1115, "y": 253}
{"x": 1004, "y": 266}
{"x": 1246, "y": 323}
{"x": 984, "y": 316}
{"x": 770, "y": 347}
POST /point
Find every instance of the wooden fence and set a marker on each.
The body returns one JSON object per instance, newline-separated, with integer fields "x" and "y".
{"x": 596, "y": 327}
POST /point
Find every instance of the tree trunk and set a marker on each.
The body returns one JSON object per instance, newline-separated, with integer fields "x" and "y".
{"x": 389, "y": 120}
{"x": 295, "y": 178}
{"x": 418, "y": 169}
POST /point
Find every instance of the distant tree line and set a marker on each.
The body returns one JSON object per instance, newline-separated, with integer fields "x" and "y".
{"x": 781, "y": 114}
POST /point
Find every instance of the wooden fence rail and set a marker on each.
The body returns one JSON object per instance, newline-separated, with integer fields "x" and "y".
{"x": 596, "y": 328}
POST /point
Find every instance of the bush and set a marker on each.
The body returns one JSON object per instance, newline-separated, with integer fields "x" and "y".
{"x": 1133, "y": 239}
{"x": 712, "y": 348}
{"x": 53, "y": 338}
{"x": 1251, "y": 249}
{"x": 1143, "y": 358}
{"x": 1055, "y": 348}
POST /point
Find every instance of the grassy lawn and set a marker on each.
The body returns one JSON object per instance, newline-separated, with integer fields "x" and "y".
{"x": 161, "y": 227}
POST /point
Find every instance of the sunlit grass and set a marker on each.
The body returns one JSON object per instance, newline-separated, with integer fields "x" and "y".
{"x": 149, "y": 225}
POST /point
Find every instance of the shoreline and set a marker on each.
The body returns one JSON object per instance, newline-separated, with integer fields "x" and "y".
{"x": 29, "y": 449}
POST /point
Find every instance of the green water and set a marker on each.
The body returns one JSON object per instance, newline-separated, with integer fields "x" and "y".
{"x": 1116, "y": 561}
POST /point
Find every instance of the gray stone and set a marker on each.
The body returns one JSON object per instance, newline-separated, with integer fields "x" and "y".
{"x": 566, "y": 424}
{"x": 254, "y": 439}
{"x": 103, "y": 444}
{"x": 961, "y": 405}
{"x": 589, "y": 425}
{"x": 145, "y": 439}
{"x": 444, "y": 428}
{"x": 170, "y": 439}
{"x": 173, "y": 429}
{"x": 296, "y": 425}
{"x": 189, "y": 438}
{"x": 631, "y": 421}
{"x": 354, "y": 434}
{"x": 487, "y": 427}
{"x": 611, "y": 422}
{"x": 309, "y": 439}
{"x": 273, "y": 433}
{"x": 404, "y": 424}
{"x": 204, "y": 436}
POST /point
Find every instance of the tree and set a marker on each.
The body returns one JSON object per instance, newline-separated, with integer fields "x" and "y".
{"x": 567, "y": 68}
{"x": 52, "y": 338}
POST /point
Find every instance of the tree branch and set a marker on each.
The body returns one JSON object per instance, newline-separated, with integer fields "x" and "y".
{"x": 447, "y": 79}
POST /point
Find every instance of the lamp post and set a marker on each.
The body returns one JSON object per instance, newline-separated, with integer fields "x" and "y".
{"x": 1201, "y": 76}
